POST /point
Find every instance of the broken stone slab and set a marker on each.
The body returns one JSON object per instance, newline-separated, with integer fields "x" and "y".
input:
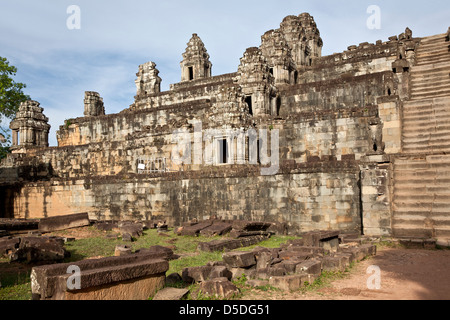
{"x": 229, "y": 244}
{"x": 163, "y": 252}
{"x": 134, "y": 229}
{"x": 220, "y": 288}
{"x": 243, "y": 225}
{"x": 333, "y": 263}
{"x": 130, "y": 277}
{"x": 329, "y": 240}
{"x": 8, "y": 245}
{"x": 307, "y": 250}
{"x": 239, "y": 259}
{"x": 263, "y": 259}
{"x": 173, "y": 279}
{"x": 294, "y": 255}
{"x": 196, "y": 274}
{"x": 220, "y": 272}
{"x": 106, "y": 225}
{"x": 195, "y": 229}
{"x": 37, "y": 249}
{"x": 122, "y": 250}
{"x": 240, "y": 234}
{"x": 172, "y": 294}
{"x": 64, "y": 222}
{"x": 272, "y": 271}
{"x": 216, "y": 229}
{"x": 18, "y": 224}
{"x": 309, "y": 267}
{"x": 290, "y": 282}
{"x": 257, "y": 283}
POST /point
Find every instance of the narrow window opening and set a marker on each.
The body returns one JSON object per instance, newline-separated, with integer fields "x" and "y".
{"x": 389, "y": 92}
{"x": 271, "y": 71}
{"x": 295, "y": 77}
{"x": 278, "y": 105}
{"x": 248, "y": 100}
{"x": 223, "y": 151}
{"x": 191, "y": 73}
{"x": 375, "y": 147}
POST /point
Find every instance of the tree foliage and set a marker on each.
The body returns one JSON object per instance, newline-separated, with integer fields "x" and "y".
{"x": 11, "y": 95}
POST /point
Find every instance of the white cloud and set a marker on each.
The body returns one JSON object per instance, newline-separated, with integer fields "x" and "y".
{"x": 59, "y": 64}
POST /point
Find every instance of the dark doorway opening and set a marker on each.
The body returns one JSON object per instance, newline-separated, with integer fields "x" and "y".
{"x": 223, "y": 151}
{"x": 191, "y": 73}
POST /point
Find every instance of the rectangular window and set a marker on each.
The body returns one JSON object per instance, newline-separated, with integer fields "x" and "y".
{"x": 248, "y": 100}
{"x": 222, "y": 151}
{"x": 191, "y": 73}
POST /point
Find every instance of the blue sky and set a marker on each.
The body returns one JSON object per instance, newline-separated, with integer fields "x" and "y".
{"x": 58, "y": 65}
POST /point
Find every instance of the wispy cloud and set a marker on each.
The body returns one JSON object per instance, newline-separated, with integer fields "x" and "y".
{"x": 59, "y": 64}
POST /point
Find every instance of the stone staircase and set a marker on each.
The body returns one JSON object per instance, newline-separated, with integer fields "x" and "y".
{"x": 422, "y": 176}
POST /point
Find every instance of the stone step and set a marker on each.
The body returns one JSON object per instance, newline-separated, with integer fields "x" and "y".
{"x": 421, "y": 197}
{"x": 439, "y": 101}
{"x": 437, "y": 53}
{"x": 440, "y": 93}
{"x": 430, "y": 84}
{"x": 432, "y": 59}
{"x": 427, "y": 111}
{"x": 442, "y": 66}
{"x": 419, "y": 88}
{"x": 422, "y": 180}
{"x": 411, "y": 231}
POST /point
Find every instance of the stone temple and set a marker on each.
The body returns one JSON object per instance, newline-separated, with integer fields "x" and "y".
{"x": 354, "y": 141}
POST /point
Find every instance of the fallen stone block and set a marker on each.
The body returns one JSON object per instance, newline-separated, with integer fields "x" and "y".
{"x": 273, "y": 271}
{"x": 329, "y": 240}
{"x": 216, "y": 229}
{"x": 64, "y": 222}
{"x": 37, "y": 249}
{"x": 122, "y": 250}
{"x": 134, "y": 229}
{"x": 307, "y": 250}
{"x": 173, "y": 279}
{"x": 290, "y": 265}
{"x": 239, "y": 259}
{"x": 8, "y": 245}
{"x": 163, "y": 252}
{"x": 250, "y": 225}
{"x": 294, "y": 255}
{"x": 229, "y": 244}
{"x": 220, "y": 288}
{"x": 18, "y": 224}
{"x": 289, "y": 283}
{"x": 257, "y": 283}
{"x": 333, "y": 264}
{"x": 195, "y": 229}
{"x": 196, "y": 274}
{"x": 240, "y": 234}
{"x": 263, "y": 259}
{"x": 106, "y": 225}
{"x": 130, "y": 277}
{"x": 220, "y": 272}
{"x": 171, "y": 294}
{"x": 309, "y": 267}
{"x": 239, "y": 272}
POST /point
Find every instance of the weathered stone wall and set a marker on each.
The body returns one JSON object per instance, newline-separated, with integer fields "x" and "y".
{"x": 320, "y": 195}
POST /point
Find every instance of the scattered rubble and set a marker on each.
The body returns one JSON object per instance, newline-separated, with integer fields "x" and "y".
{"x": 33, "y": 249}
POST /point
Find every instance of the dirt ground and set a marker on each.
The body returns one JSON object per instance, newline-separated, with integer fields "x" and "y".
{"x": 406, "y": 274}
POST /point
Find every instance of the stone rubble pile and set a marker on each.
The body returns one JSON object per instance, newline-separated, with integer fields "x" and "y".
{"x": 288, "y": 267}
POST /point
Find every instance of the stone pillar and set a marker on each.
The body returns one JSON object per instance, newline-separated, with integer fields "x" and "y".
{"x": 15, "y": 137}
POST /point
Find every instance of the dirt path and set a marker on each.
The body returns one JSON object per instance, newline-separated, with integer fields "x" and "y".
{"x": 406, "y": 274}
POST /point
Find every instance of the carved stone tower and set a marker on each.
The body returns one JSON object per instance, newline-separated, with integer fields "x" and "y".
{"x": 93, "y": 104}
{"x": 303, "y": 38}
{"x": 148, "y": 81}
{"x": 30, "y": 128}
{"x": 195, "y": 64}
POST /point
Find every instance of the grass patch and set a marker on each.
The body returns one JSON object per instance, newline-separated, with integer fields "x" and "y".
{"x": 15, "y": 286}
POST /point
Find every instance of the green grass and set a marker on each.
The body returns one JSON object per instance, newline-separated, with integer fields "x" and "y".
{"x": 18, "y": 286}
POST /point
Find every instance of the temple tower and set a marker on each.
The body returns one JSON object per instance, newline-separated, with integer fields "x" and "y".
{"x": 148, "y": 81}
{"x": 30, "y": 128}
{"x": 195, "y": 64}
